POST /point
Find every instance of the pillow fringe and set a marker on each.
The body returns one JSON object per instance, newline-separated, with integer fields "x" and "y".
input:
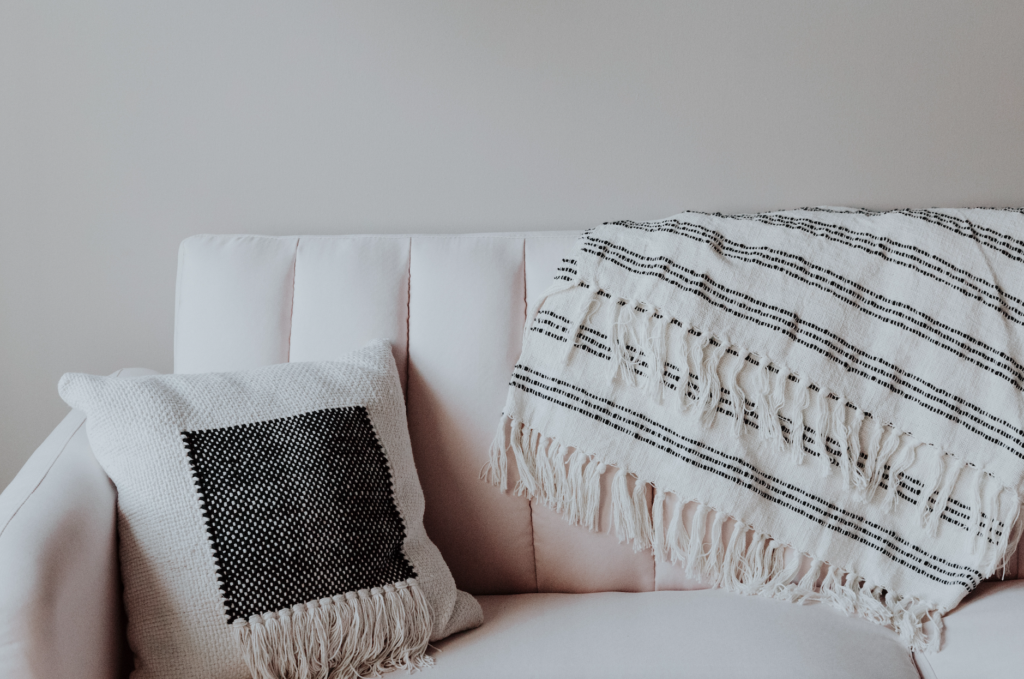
{"x": 364, "y": 633}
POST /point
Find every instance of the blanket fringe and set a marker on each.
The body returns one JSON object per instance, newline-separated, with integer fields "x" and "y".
{"x": 788, "y": 410}
{"x": 358, "y": 634}
{"x": 708, "y": 544}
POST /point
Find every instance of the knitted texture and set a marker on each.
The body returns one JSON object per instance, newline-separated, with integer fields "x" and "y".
{"x": 833, "y": 397}
{"x": 271, "y": 520}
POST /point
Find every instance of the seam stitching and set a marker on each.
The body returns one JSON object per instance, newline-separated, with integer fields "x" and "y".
{"x": 408, "y": 318}
{"x": 47, "y": 472}
{"x": 42, "y": 478}
{"x": 291, "y": 309}
{"x": 533, "y": 533}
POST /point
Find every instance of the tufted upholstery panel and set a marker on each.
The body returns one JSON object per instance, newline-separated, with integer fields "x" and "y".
{"x": 453, "y": 308}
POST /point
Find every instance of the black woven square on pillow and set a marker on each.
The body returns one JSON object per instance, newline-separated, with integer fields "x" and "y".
{"x": 298, "y": 508}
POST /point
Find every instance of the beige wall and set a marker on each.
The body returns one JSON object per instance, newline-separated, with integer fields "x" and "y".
{"x": 126, "y": 126}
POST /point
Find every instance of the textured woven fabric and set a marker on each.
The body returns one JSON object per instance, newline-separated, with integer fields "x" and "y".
{"x": 262, "y": 508}
{"x": 838, "y": 384}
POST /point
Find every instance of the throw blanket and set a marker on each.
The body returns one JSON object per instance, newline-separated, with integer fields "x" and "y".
{"x": 818, "y": 404}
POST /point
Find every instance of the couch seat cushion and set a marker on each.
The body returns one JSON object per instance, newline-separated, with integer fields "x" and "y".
{"x": 694, "y": 634}
{"x": 984, "y": 636}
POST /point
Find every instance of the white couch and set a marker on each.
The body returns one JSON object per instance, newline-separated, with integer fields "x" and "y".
{"x": 559, "y": 601}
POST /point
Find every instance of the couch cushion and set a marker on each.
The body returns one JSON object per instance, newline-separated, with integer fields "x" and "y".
{"x": 697, "y": 634}
{"x": 347, "y": 292}
{"x": 466, "y": 311}
{"x": 233, "y": 307}
{"x": 983, "y": 636}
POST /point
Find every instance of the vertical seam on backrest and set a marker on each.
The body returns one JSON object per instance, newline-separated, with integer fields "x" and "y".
{"x": 177, "y": 304}
{"x": 654, "y": 552}
{"x": 408, "y": 316}
{"x": 922, "y": 659}
{"x": 533, "y": 533}
{"x": 291, "y": 309}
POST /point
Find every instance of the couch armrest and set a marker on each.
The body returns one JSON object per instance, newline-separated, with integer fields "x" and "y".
{"x": 60, "y": 593}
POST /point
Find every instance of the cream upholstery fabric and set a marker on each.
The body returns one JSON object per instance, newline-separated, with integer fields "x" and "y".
{"x": 984, "y": 636}
{"x": 696, "y": 635}
{"x": 60, "y": 590}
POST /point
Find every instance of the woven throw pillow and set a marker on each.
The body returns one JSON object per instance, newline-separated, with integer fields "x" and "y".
{"x": 271, "y": 521}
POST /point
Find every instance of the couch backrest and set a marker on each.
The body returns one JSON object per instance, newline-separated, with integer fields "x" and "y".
{"x": 453, "y": 308}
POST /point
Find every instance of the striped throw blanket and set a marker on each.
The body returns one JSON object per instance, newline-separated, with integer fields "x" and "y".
{"x": 819, "y": 404}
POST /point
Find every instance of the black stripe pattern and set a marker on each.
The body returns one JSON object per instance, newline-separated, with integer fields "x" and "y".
{"x": 595, "y": 343}
{"x": 890, "y": 250}
{"x": 744, "y": 474}
{"x": 829, "y": 344}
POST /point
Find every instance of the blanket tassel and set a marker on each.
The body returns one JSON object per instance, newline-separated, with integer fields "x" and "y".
{"x": 712, "y": 546}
